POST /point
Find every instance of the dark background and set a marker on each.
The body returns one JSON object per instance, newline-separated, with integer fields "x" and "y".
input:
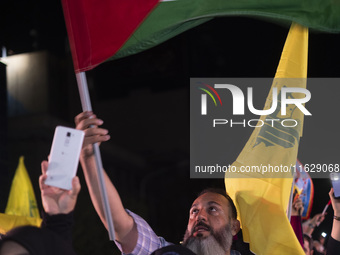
{"x": 148, "y": 160}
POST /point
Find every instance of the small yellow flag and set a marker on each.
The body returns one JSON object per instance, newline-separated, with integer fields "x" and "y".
{"x": 262, "y": 202}
{"x": 7, "y": 222}
{"x": 22, "y": 206}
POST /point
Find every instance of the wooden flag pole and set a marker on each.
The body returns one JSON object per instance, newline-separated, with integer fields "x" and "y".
{"x": 86, "y": 105}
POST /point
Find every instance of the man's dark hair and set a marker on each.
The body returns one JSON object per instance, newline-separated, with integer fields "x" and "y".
{"x": 39, "y": 241}
{"x": 223, "y": 193}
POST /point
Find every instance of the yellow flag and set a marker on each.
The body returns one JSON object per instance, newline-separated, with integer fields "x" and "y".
{"x": 262, "y": 202}
{"x": 22, "y": 206}
{"x": 7, "y": 222}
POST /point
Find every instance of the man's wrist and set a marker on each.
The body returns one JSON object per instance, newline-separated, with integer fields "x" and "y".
{"x": 311, "y": 225}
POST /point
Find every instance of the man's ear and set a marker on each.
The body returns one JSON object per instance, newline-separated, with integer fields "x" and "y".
{"x": 235, "y": 227}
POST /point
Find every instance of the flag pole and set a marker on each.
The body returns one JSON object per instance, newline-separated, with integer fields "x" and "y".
{"x": 289, "y": 209}
{"x": 86, "y": 105}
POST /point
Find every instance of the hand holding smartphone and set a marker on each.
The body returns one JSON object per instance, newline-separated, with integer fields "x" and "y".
{"x": 64, "y": 157}
{"x": 335, "y": 179}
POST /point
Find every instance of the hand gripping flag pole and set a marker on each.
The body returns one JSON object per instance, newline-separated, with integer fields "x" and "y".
{"x": 86, "y": 105}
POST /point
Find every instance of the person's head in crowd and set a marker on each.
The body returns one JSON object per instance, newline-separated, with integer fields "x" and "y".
{"x": 173, "y": 250}
{"x": 308, "y": 245}
{"x": 322, "y": 240}
{"x": 318, "y": 246}
{"x": 29, "y": 240}
{"x": 212, "y": 223}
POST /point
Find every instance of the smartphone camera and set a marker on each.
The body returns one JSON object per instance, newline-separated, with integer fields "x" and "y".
{"x": 68, "y": 137}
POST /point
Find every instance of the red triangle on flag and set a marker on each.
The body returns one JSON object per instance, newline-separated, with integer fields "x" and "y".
{"x": 97, "y": 29}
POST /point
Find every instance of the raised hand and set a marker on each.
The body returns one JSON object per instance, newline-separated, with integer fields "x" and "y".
{"x": 88, "y": 122}
{"x": 336, "y": 222}
{"x": 56, "y": 200}
{"x": 335, "y": 202}
{"x": 297, "y": 207}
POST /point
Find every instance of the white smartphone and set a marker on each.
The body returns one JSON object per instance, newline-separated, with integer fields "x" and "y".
{"x": 335, "y": 179}
{"x": 64, "y": 157}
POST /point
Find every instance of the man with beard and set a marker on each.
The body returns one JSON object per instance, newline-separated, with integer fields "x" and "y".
{"x": 212, "y": 221}
{"x": 212, "y": 224}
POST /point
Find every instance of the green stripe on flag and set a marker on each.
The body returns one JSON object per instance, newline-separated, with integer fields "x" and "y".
{"x": 171, "y": 18}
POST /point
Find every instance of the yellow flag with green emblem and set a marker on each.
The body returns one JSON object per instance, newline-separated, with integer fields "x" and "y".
{"x": 22, "y": 206}
{"x": 262, "y": 197}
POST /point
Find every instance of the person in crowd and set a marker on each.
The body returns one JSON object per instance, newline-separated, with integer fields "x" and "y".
{"x": 333, "y": 244}
{"x": 318, "y": 248}
{"x": 309, "y": 225}
{"x": 55, "y": 234}
{"x": 212, "y": 217}
{"x": 307, "y": 244}
{"x": 173, "y": 250}
{"x": 295, "y": 219}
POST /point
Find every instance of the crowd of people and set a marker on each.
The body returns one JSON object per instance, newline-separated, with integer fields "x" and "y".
{"x": 305, "y": 230}
{"x": 213, "y": 228}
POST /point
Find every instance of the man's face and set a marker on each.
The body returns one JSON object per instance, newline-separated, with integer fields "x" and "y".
{"x": 209, "y": 213}
{"x": 210, "y": 228}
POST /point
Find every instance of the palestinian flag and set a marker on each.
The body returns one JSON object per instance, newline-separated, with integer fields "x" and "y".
{"x": 107, "y": 29}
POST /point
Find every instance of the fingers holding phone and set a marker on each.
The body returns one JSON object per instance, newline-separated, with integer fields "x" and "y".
{"x": 335, "y": 202}
{"x": 56, "y": 200}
